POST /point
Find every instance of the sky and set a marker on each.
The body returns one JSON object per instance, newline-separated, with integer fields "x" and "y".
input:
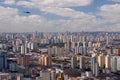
{"x": 59, "y": 15}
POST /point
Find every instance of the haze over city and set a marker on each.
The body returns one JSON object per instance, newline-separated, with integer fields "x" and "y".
{"x": 59, "y": 15}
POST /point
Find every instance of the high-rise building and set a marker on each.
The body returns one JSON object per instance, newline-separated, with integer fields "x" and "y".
{"x": 114, "y": 64}
{"x": 101, "y": 61}
{"x": 48, "y": 75}
{"x": 118, "y": 63}
{"x": 13, "y": 67}
{"x": 60, "y": 76}
{"x": 3, "y": 61}
{"x": 22, "y": 49}
{"x": 45, "y": 60}
{"x": 84, "y": 47}
{"x": 93, "y": 61}
{"x": 73, "y": 62}
{"x": 117, "y": 51}
{"x": 82, "y": 62}
{"x": 107, "y": 62}
{"x": 23, "y": 60}
{"x": 45, "y": 75}
{"x": 53, "y": 75}
{"x": 96, "y": 69}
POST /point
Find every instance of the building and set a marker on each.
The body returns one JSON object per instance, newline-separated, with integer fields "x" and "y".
{"x": 93, "y": 61}
{"x": 73, "y": 62}
{"x": 3, "y": 61}
{"x": 117, "y": 51}
{"x": 22, "y": 49}
{"x": 114, "y": 64}
{"x": 45, "y": 60}
{"x": 101, "y": 61}
{"x": 60, "y": 76}
{"x": 45, "y": 75}
{"x": 23, "y": 60}
{"x": 107, "y": 62}
{"x": 10, "y": 76}
{"x": 13, "y": 67}
{"x": 118, "y": 63}
{"x": 72, "y": 74}
{"x": 96, "y": 69}
{"x": 85, "y": 48}
{"x": 82, "y": 62}
{"x": 53, "y": 75}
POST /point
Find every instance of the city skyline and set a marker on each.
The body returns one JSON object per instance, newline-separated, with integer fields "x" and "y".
{"x": 59, "y": 16}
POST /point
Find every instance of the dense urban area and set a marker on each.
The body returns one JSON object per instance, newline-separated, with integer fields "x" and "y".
{"x": 60, "y": 56}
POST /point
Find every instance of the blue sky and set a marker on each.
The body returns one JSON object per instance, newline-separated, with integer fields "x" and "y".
{"x": 59, "y": 15}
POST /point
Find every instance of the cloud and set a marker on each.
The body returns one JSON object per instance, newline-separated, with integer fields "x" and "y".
{"x": 67, "y": 12}
{"x": 115, "y": 0}
{"x": 22, "y": 23}
{"x": 11, "y": 21}
{"x": 8, "y": 11}
{"x": 63, "y": 3}
{"x": 26, "y": 3}
{"x": 110, "y": 12}
{"x": 58, "y": 7}
{"x": 110, "y": 8}
{"x": 9, "y": 2}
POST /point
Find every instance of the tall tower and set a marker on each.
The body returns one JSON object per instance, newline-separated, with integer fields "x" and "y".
{"x": 23, "y": 60}
{"x": 118, "y": 63}
{"x": 53, "y": 75}
{"x": 3, "y": 61}
{"x": 114, "y": 64}
{"x": 45, "y": 60}
{"x": 107, "y": 62}
{"x": 84, "y": 47}
{"x": 22, "y": 49}
{"x": 101, "y": 61}
{"x": 73, "y": 62}
{"x": 96, "y": 69}
{"x": 93, "y": 61}
{"x": 82, "y": 62}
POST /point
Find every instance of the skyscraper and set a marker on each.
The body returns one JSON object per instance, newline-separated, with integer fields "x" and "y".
{"x": 23, "y": 60}
{"x": 45, "y": 75}
{"x": 45, "y": 60}
{"x": 22, "y": 49}
{"x": 113, "y": 64}
{"x": 82, "y": 62}
{"x": 101, "y": 61}
{"x": 96, "y": 69}
{"x": 3, "y": 61}
{"x": 73, "y": 62}
{"x": 107, "y": 62}
{"x": 93, "y": 61}
{"x": 118, "y": 63}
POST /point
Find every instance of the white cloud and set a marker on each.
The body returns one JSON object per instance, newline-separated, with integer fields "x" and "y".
{"x": 110, "y": 8}
{"x": 62, "y": 3}
{"x": 58, "y": 7}
{"x": 10, "y": 20}
{"x": 55, "y": 3}
{"x": 9, "y": 2}
{"x": 67, "y": 12}
{"x": 110, "y": 12}
{"x": 8, "y": 11}
{"x": 26, "y": 3}
{"x": 115, "y": 0}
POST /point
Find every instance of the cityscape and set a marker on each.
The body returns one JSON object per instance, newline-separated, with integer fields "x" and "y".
{"x": 60, "y": 56}
{"x": 59, "y": 39}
